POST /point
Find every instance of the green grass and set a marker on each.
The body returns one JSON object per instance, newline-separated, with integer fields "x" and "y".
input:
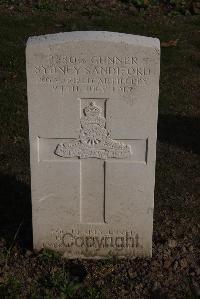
{"x": 60, "y": 284}
{"x": 47, "y": 255}
{"x": 10, "y": 289}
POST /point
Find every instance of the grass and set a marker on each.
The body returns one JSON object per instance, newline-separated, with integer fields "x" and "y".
{"x": 10, "y": 289}
{"x": 60, "y": 284}
{"x": 177, "y": 171}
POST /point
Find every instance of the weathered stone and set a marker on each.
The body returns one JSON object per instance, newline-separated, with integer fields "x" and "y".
{"x": 93, "y": 101}
{"x": 167, "y": 264}
{"x": 172, "y": 243}
{"x": 175, "y": 265}
{"x": 183, "y": 263}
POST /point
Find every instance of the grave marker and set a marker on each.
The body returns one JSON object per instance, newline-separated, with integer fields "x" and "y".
{"x": 93, "y": 100}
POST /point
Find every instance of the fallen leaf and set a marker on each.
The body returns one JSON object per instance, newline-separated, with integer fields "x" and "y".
{"x": 170, "y": 43}
{"x": 196, "y": 7}
{"x": 59, "y": 25}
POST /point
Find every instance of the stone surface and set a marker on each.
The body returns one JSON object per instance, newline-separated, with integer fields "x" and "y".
{"x": 93, "y": 101}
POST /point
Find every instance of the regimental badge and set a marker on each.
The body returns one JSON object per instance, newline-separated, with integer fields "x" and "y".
{"x": 94, "y": 139}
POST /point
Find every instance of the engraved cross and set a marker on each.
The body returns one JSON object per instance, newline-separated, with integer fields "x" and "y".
{"x": 94, "y": 147}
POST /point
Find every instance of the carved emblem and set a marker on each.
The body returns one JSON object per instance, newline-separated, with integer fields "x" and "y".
{"x": 94, "y": 140}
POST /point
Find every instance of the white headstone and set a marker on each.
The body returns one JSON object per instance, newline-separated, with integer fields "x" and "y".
{"x": 93, "y": 101}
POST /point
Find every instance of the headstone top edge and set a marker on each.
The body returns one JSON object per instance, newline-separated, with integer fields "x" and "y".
{"x": 106, "y": 36}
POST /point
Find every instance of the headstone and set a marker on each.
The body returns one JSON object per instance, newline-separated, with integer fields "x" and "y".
{"x": 93, "y": 101}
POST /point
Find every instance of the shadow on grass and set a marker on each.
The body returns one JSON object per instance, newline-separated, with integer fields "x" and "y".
{"x": 15, "y": 211}
{"x": 181, "y": 131}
